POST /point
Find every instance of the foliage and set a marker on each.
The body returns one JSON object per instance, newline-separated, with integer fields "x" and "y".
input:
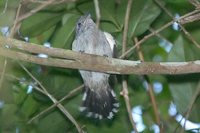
{"x": 55, "y": 24}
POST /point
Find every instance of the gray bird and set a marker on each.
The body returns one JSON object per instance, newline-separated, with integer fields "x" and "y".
{"x": 99, "y": 100}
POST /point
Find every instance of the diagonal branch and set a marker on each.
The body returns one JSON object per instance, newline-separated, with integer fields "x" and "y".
{"x": 196, "y": 3}
{"x": 71, "y": 93}
{"x": 182, "y": 19}
{"x": 188, "y": 35}
{"x": 60, "y": 106}
{"x": 28, "y": 14}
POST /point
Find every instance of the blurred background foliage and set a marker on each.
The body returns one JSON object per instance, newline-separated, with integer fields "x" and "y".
{"x": 55, "y": 24}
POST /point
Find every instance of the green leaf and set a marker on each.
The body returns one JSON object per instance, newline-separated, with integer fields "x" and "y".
{"x": 107, "y": 9}
{"x": 144, "y": 13}
{"x": 8, "y": 118}
{"x": 6, "y": 92}
{"x": 26, "y": 103}
{"x": 65, "y": 34}
{"x": 182, "y": 94}
{"x": 182, "y": 87}
{"x": 108, "y": 14}
{"x": 177, "y": 53}
{"x": 19, "y": 93}
{"x": 58, "y": 82}
{"x": 43, "y": 37}
{"x": 109, "y": 27}
{"x": 30, "y": 106}
{"x": 39, "y": 23}
{"x": 8, "y": 12}
{"x": 54, "y": 122}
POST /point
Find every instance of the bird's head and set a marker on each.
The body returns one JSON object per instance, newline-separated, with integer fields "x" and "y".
{"x": 84, "y": 23}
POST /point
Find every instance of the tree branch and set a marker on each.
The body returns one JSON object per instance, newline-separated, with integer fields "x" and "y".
{"x": 71, "y": 93}
{"x": 69, "y": 59}
{"x": 28, "y": 14}
{"x": 125, "y": 92}
{"x": 59, "y": 105}
{"x": 179, "y": 20}
{"x": 149, "y": 89}
{"x": 97, "y": 10}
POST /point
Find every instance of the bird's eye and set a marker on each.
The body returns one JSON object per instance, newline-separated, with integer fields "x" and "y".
{"x": 79, "y": 24}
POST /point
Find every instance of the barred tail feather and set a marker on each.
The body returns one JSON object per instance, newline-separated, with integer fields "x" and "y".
{"x": 100, "y": 104}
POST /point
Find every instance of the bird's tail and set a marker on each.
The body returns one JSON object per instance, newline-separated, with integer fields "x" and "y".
{"x": 99, "y": 104}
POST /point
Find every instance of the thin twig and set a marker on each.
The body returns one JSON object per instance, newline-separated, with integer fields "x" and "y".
{"x": 194, "y": 2}
{"x": 153, "y": 101}
{"x": 60, "y": 106}
{"x": 150, "y": 91}
{"x": 10, "y": 35}
{"x": 160, "y": 36}
{"x": 35, "y": 10}
{"x": 15, "y": 24}
{"x": 155, "y": 108}
{"x": 163, "y": 7}
{"x": 145, "y": 38}
{"x": 5, "y": 7}
{"x": 71, "y": 93}
{"x": 124, "y": 92}
{"x": 188, "y": 35}
{"x": 156, "y": 31}
{"x": 97, "y": 10}
{"x": 3, "y": 72}
{"x": 27, "y": 83}
{"x": 126, "y": 22}
{"x": 10, "y": 76}
{"x": 189, "y": 19}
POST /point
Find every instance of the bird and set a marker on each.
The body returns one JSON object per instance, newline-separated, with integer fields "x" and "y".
{"x": 99, "y": 100}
